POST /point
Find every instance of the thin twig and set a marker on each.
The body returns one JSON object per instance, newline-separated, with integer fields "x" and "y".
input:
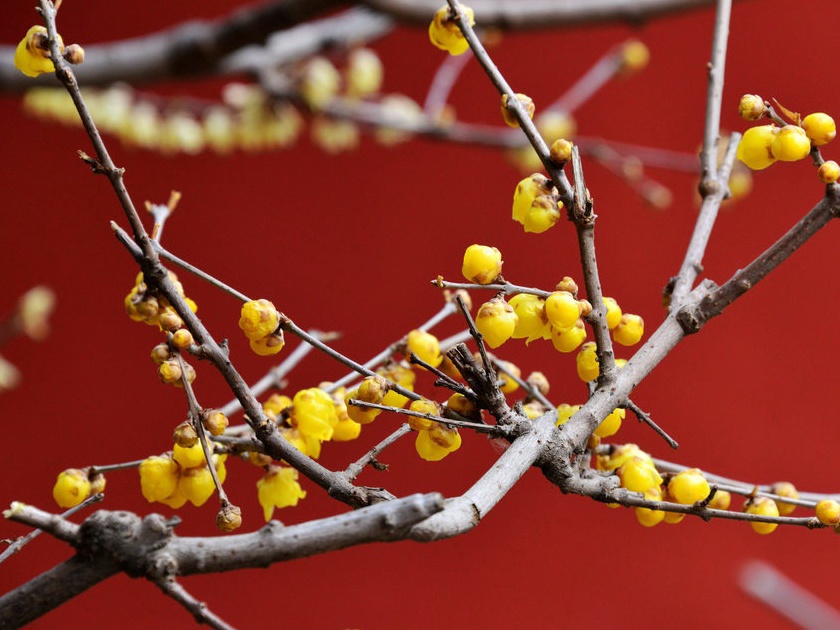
{"x": 200, "y": 273}
{"x": 19, "y": 543}
{"x": 274, "y": 377}
{"x": 745, "y": 279}
{"x": 646, "y": 419}
{"x": 111, "y": 467}
{"x": 714, "y": 95}
{"x": 496, "y": 287}
{"x": 355, "y": 469}
{"x": 491, "y": 429}
{"x": 585, "y": 228}
{"x": 598, "y": 75}
{"x": 446, "y": 310}
{"x": 196, "y": 608}
{"x": 713, "y": 185}
{"x": 290, "y": 326}
{"x": 748, "y": 489}
{"x": 195, "y": 413}
{"x": 477, "y": 336}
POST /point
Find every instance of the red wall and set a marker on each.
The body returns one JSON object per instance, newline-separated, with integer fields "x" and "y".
{"x": 349, "y": 243}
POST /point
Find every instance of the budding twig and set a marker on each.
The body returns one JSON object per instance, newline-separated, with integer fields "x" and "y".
{"x": 195, "y": 412}
{"x": 556, "y": 174}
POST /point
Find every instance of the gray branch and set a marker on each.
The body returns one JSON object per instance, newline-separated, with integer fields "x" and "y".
{"x": 231, "y": 45}
{"x": 534, "y": 14}
{"x": 192, "y": 49}
{"x": 113, "y": 542}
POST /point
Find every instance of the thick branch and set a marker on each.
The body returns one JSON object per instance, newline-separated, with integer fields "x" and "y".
{"x": 532, "y": 14}
{"x": 119, "y": 541}
{"x": 465, "y": 512}
{"x": 51, "y": 589}
{"x": 384, "y": 522}
{"x": 192, "y": 49}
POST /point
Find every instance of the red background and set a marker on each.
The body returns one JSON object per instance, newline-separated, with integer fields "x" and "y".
{"x": 349, "y": 243}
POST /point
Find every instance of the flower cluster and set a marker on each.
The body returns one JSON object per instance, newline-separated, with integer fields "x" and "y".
{"x": 245, "y": 118}
{"x": 312, "y": 417}
{"x": 763, "y": 145}
{"x": 142, "y": 304}
{"x": 559, "y": 316}
{"x": 180, "y": 475}
{"x": 637, "y": 472}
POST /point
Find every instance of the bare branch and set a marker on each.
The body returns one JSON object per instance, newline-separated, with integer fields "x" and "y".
{"x": 51, "y": 589}
{"x": 534, "y": 14}
{"x": 192, "y": 49}
{"x": 198, "y": 609}
{"x": 778, "y": 592}
{"x": 714, "y": 95}
{"x": 111, "y": 542}
{"x": 745, "y": 279}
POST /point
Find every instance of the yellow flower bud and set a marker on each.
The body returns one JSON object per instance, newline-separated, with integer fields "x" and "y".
{"x": 258, "y": 319}
{"x": 507, "y": 114}
{"x": 71, "y": 487}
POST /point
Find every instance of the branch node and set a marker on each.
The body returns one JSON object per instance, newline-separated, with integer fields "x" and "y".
{"x": 94, "y": 164}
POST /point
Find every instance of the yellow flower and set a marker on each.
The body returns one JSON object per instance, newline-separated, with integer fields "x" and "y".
{"x": 313, "y": 413}
{"x": 188, "y": 457}
{"x": 278, "y": 489}
{"x": 32, "y": 55}
{"x": 531, "y": 321}
{"x": 196, "y": 484}
{"x": 437, "y": 442}
{"x": 445, "y": 34}
{"x": 425, "y": 346}
{"x": 158, "y": 478}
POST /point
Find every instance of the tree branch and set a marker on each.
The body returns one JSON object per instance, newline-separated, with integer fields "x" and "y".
{"x": 532, "y": 14}
{"x": 192, "y": 49}
{"x": 197, "y": 608}
{"x": 692, "y": 318}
